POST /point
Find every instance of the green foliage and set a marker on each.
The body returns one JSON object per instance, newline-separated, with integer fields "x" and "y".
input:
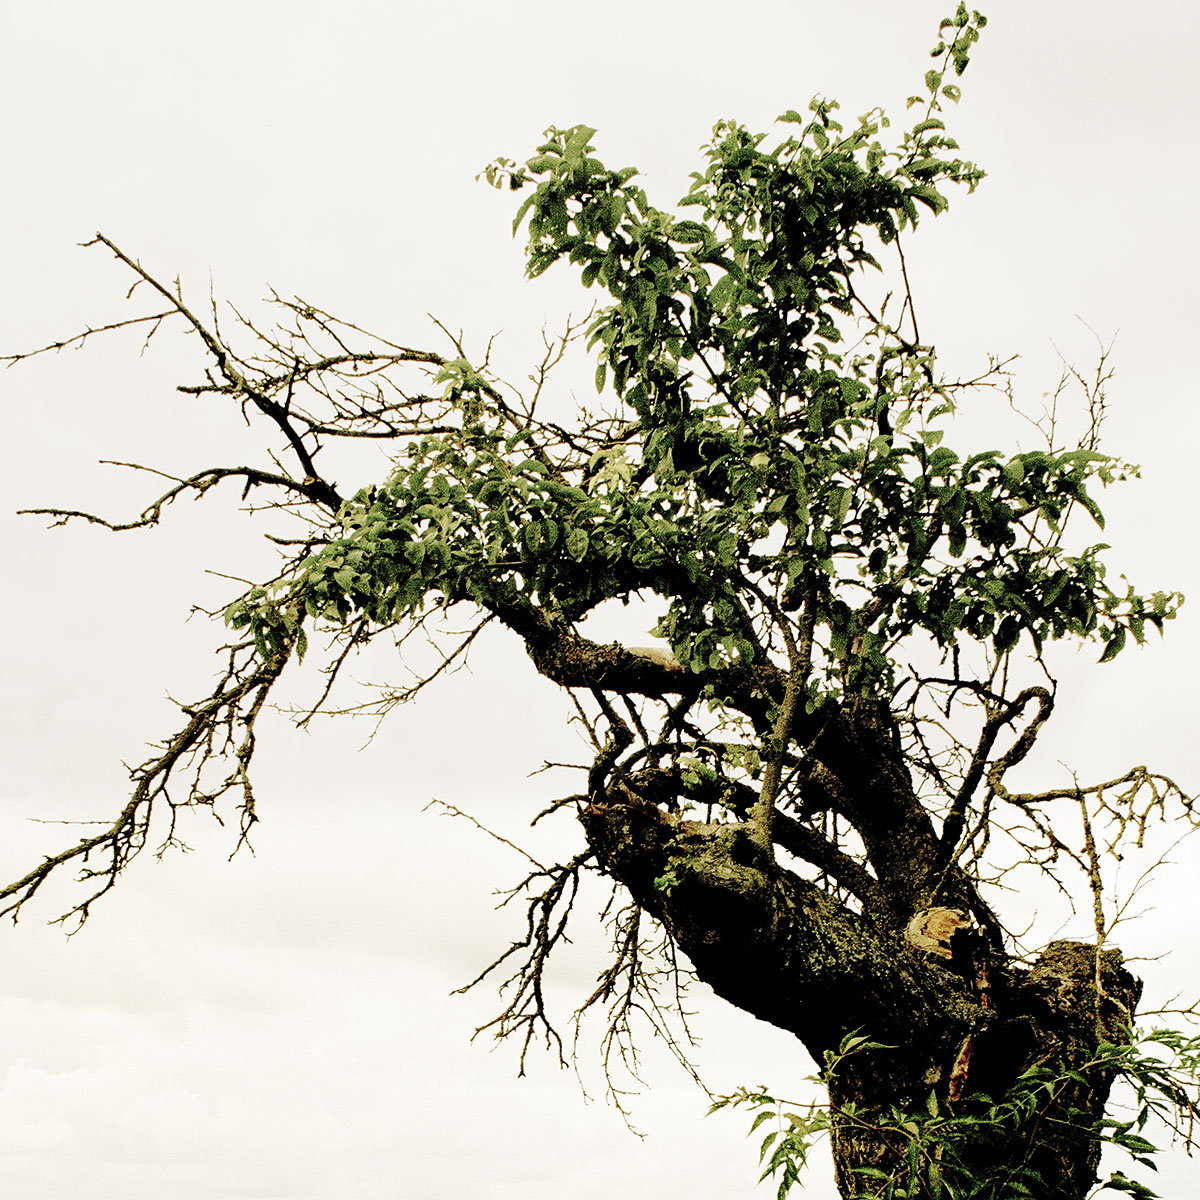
{"x": 770, "y": 469}
{"x": 784, "y": 1150}
{"x": 938, "y": 1148}
{"x": 784, "y": 443}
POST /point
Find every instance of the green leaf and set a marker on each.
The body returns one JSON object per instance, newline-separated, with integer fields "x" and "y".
{"x": 929, "y": 196}
{"x": 532, "y": 536}
{"x": 690, "y": 231}
{"x": 1116, "y": 643}
{"x": 839, "y": 505}
{"x": 1014, "y": 471}
{"x": 941, "y": 460}
{"x": 765, "y": 1115}
{"x": 576, "y": 542}
{"x": 1081, "y": 494}
{"x": 1117, "y": 1182}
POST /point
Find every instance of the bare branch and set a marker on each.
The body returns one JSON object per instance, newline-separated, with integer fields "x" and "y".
{"x": 153, "y": 319}
{"x": 233, "y": 375}
{"x": 547, "y": 913}
{"x": 211, "y": 732}
{"x": 198, "y": 484}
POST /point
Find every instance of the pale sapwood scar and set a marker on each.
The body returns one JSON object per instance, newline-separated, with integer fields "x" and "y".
{"x": 662, "y": 655}
{"x": 933, "y": 929}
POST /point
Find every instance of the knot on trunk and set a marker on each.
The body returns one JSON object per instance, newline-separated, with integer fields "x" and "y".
{"x": 1081, "y": 991}
{"x": 723, "y": 883}
{"x": 630, "y": 836}
{"x": 948, "y": 937}
{"x": 711, "y": 878}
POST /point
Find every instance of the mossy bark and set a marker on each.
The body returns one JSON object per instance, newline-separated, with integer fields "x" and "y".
{"x": 959, "y": 1016}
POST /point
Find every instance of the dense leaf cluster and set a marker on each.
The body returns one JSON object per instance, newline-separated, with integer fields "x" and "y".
{"x": 777, "y": 442}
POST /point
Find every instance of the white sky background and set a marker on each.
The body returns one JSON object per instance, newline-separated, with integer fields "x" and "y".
{"x": 279, "y": 1026}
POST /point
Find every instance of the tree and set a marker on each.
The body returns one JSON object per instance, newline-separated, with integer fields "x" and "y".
{"x": 806, "y": 794}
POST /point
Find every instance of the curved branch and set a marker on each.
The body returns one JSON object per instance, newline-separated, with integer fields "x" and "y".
{"x": 571, "y": 660}
{"x": 322, "y": 491}
{"x": 955, "y": 822}
{"x": 811, "y": 965}
{"x": 1024, "y": 743}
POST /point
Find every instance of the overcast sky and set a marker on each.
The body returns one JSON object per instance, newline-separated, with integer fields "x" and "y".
{"x": 280, "y": 1026}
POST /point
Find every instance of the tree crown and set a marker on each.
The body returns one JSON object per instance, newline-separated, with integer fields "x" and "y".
{"x": 775, "y": 442}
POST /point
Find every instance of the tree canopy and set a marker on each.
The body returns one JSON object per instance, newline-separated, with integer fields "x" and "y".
{"x": 807, "y": 789}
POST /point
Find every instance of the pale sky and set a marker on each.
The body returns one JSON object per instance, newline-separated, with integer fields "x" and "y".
{"x": 280, "y": 1026}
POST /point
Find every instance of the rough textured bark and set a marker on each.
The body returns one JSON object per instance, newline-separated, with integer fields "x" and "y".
{"x": 928, "y": 980}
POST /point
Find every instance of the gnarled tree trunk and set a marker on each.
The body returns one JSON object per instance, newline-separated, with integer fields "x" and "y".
{"x": 907, "y": 966}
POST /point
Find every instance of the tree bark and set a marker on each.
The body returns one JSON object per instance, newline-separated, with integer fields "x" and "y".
{"x": 1051, "y": 1015}
{"x": 957, "y": 1015}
